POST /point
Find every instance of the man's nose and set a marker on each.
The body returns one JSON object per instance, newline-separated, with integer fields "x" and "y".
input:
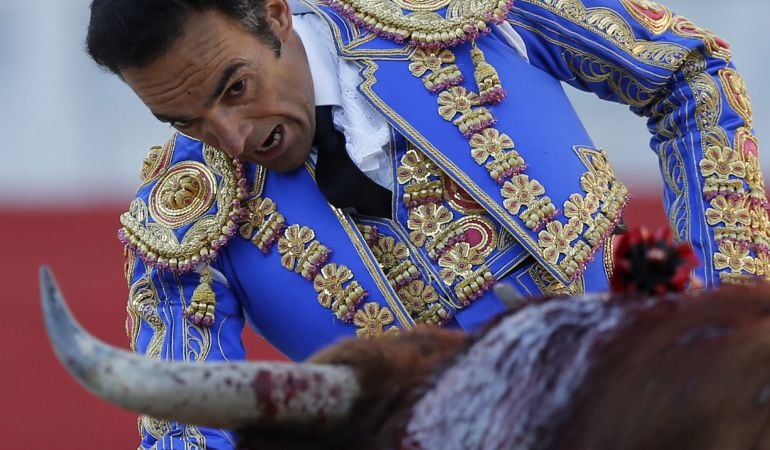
{"x": 230, "y": 131}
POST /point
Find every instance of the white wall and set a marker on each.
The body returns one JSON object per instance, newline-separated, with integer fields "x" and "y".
{"x": 71, "y": 132}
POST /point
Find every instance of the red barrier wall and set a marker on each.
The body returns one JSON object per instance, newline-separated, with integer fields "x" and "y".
{"x": 43, "y": 407}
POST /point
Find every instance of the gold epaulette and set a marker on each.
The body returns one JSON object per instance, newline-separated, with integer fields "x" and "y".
{"x": 185, "y": 212}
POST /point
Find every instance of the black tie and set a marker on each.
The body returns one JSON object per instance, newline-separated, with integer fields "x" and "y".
{"x": 341, "y": 182}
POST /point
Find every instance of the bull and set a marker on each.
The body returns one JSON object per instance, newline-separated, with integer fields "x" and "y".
{"x": 678, "y": 371}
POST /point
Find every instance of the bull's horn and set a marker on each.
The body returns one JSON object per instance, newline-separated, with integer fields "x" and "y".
{"x": 226, "y": 395}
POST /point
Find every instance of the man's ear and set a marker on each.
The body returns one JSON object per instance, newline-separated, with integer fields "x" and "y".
{"x": 279, "y": 18}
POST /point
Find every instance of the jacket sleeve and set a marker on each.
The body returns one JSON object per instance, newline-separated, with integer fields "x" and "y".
{"x": 157, "y": 328}
{"x": 679, "y": 76}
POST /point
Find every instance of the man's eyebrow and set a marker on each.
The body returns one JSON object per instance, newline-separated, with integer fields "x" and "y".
{"x": 227, "y": 74}
{"x": 223, "y": 80}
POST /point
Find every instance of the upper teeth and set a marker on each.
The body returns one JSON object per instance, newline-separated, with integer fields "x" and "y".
{"x": 275, "y": 140}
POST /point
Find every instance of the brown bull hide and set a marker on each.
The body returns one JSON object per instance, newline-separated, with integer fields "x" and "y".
{"x": 680, "y": 372}
{"x": 675, "y": 373}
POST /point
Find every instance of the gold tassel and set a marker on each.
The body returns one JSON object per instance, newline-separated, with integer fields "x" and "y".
{"x": 487, "y": 79}
{"x": 201, "y": 309}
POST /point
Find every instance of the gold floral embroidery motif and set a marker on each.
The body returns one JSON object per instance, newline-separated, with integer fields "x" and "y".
{"x": 426, "y": 221}
{"x": 416, "y": 296}
{"x": 389, "y": 253}
{"x": 581, "y": 208}
{"x": 416, "y": 167}
{"x": 557, "y": 239}
{"x": 439, "y": 76}
{"x": 262, "y": 223}
{"x": 371, "y": 321}
{"x": 521, "y": 192}
{"x": 731, "y": 212}
{"x": 332, "y": 292}
{"x": 297, "y": 255}
{"x": 737, "y": 94}
{"x": 459, "y": 261}
{"x": 735, "y": 257}
{"x": 420, "y": 300}
{"x": 433, "y": 226}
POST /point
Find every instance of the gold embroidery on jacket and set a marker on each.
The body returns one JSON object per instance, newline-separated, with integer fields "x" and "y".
{"x": 733, "y": 186}
{"x": 737, "y": 94}
{"x": 157, "y": 428}
{"x": 612, "y": 27}
{"x": 653, "y": 16}
{"x": 433, "y": 226}
{"x": 550, "y": 286}
{"x": 420, "y": 300}
{"x": 372, "y": 319}
{"x": 337, "y": 291}
{"x": 156, "y": 161}
{"x": 715, "y": 46}
{"x": 522, "y": 196}
{"x": 142, "y": 306}
{"x": 420, "y": 24}
{"x": 182, "y": 196}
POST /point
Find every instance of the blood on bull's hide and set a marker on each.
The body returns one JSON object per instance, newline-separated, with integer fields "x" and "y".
{"x": 673, "y": 372}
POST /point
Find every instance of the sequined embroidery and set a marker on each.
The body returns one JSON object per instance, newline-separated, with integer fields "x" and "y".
{"x": 433, "y": 226}
{"x": 611, "y": 26}
{"x": 737, "y": 95}
{"x": 142, "y": 306}
{"x": 715, "y": 46}
{"x": 463, "y": 19}
{"x": 550, "y": 286}
{"x": 183, "y": 194}
{"x": 157, "y": 161}
{"x": 300, "y": 252}
{"x": 419, "y": 298}
{"x": 523, "y": 196}
{"x": 173, "y": 201}
{"x": 653, "y": 16}
{"x": 371, "y": 321}
{"x": 732, "y": 186}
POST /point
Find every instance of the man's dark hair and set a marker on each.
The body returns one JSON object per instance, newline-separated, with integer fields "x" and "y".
{"x": 133, "y": 33}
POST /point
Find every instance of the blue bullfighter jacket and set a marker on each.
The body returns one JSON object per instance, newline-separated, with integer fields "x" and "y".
{"x": 486, "y": 188}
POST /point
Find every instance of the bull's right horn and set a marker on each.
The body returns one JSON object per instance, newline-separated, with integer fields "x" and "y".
{"x": 225, "y": 395}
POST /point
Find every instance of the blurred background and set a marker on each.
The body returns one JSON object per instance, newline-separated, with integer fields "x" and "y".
{"x": 73, "y": 142}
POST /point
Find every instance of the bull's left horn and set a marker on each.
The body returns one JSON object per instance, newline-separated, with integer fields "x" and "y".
{"x": 226, "y": 395}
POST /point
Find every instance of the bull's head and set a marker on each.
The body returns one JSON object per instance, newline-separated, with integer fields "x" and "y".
{"x": 573, "y": 373}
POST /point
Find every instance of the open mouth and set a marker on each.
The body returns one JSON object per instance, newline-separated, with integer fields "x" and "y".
{"x": 273, "y": 140}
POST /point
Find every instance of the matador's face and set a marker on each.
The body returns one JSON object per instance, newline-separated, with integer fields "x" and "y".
{"x": 221, "y": 84}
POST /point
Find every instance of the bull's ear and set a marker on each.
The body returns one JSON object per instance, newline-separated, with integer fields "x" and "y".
{"x": 224, "y": 395}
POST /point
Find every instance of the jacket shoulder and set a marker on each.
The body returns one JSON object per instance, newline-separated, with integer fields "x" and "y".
{"x": 187, "y": 206}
